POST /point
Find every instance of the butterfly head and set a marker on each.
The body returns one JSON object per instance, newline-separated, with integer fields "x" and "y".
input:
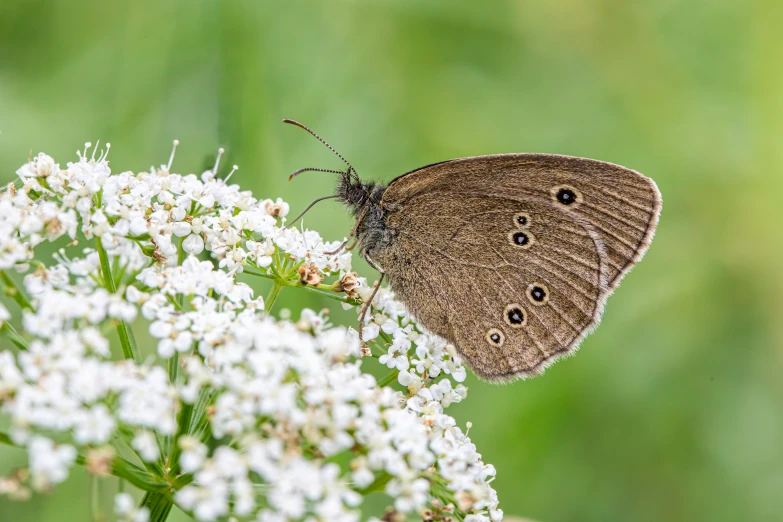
{"x": 351, "y": 191}
{"x": 357, "y": 194}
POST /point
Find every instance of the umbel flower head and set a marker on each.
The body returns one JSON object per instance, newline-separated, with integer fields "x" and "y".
{"x": 138, "y": 352}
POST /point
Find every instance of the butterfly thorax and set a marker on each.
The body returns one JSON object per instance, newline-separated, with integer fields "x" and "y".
{"x": 363, "y": 200}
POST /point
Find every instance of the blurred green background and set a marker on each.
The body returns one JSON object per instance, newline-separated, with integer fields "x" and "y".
{"x": 673, "y": 408}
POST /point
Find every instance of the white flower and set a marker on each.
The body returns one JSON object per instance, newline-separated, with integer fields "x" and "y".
{"x": 42, "y": 166}
{"x": 49, "y": 463}
{"x": 95, "y": 425}
{"x": 181, "y": 228}
{"x": 144, "y": 442}
{"x": 370, "y": 332}
{"x": 10, "y": 376}
{"x": 278, "y": 208}
{"x": 123, "y": 504}
{"x": 193, "y": 454}
{"x": 193, "y": 244}
{"x": 125, "y": 509}
{"x": 260, "y": 252}
{"x": 258, "y": 412}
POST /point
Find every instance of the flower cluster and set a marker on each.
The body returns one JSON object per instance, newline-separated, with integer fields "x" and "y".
{"x": 218, "y": 407}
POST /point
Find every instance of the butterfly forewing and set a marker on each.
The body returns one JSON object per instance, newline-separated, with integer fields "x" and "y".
{"x": 621, "y": 205}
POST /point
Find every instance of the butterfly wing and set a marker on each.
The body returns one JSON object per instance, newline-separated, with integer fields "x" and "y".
{"x": 511, "y": 298}
{"x": 487, "y": 257}
{"x": 620, "y": 204}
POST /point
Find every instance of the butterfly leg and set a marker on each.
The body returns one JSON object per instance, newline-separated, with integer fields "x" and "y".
{"x": 352, "y": 234}
{"x": 367, "y": 304}
{"x": 339, "y": 248}
{"x": 372, "y": 264}
{"x": 363, "y": 314}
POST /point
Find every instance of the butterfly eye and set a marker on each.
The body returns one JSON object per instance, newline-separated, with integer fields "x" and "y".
{"x": 567, "y": 195}
{"x": 514, "y": 315}
{"x": 521, "y": 239}
{"x": 495, "y": 337}
{"x": 538, "y": 294}
{"x": 522, "y": 219}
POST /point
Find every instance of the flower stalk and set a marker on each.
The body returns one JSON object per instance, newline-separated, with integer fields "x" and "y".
{"x": 269, "y": 302}
{"x": 159, "y": 505}
{"x": 14, "y": 336}
{"x": 321, "y": 289}
{"x": 14, "y": 292}
{"x": 128, "y": 349}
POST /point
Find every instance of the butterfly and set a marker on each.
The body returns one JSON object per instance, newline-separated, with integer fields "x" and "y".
{"x": 509, "y": 257}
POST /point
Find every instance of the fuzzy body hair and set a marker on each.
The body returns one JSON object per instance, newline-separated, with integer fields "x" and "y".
{"x": 363, "y": 200}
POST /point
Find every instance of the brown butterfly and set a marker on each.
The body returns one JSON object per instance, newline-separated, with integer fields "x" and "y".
{"x": 510, "y": 257}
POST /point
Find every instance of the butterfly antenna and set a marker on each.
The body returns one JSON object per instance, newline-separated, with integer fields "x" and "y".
{"x": 311, "y": 169}
{"x": 305, "y": 127}
{"x": 297, "y": 218}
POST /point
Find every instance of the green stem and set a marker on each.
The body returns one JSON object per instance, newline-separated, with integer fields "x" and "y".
{"x": 120, "y": 274}
{"x": 440, "y": 491}
{"x": 328, "y": 291}
{"x": 324, "y": 290}
{"x": 272, "y": 297}
{"x": 159, "y": 504}
{"x": 199, "y": 420}
{"x": 14, "y": 292}
{"x": 108, "y": 280}
{"x": 127, "y": 346}
{"x": 119, "y": 468}
{"x": 259, "y": 274}
{"x": 128, "y": 350}
{"x": 173, "y": 367}
{"x": 184, "y": 427}
{"x": 173, "y": 364}
{"x": 95, "y": 510}
{"x": 180, "y": 260}
{"x": 14, "y": 336}
{"x": 378, "y": 484}
{"x": 390, "y": 378}
{"x": 180, "y": 252}
{"x": 137, "y": 476}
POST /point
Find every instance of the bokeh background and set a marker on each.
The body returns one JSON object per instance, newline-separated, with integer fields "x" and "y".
{"x": 673, "y": 408}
